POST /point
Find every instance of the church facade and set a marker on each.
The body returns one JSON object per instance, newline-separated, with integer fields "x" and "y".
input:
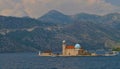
{"x": 76, "y": 50}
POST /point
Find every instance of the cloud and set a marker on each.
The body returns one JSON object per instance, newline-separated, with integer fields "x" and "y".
{"x": 114, "y": 2}
{"x": 36, "y": 8}
{"x": 87, "y": 6}
{"x": 6, "y": 12}
{"x": 92, "y": 1}
{"x": 11, "y": 8}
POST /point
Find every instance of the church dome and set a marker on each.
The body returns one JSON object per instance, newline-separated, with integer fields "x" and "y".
{"x": 77, "y": 46}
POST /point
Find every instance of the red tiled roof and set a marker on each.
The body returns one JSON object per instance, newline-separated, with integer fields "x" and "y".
{"x": 70, "y": 47}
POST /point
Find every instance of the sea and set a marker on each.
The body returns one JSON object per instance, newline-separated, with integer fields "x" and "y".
{"x": 33, "y": 61}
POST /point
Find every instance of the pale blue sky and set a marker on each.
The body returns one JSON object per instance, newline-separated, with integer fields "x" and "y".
{"x": 114, "y": 2}
{"x": 37, "y": 8}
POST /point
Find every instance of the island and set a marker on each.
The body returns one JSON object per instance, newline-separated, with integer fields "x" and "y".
{"x": 77, "y": 50}
{"x": 69, "y": 50}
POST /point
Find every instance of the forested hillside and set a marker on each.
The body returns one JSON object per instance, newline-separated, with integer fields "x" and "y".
{"x": 29, "y": 35}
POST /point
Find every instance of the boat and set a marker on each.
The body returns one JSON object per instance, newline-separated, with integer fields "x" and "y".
{"x": 113, "y": 53}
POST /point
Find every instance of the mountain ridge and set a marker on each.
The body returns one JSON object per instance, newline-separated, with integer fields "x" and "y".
{"x": 27, "y": 34}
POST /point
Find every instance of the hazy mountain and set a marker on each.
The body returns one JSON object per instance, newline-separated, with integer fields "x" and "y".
{"x": 54, "y": 16}
{"x": 17, "y": 23}
{"x": 28, "y": 34}
{"x": 111, "y": 20}
{"x": 86, "y": 17}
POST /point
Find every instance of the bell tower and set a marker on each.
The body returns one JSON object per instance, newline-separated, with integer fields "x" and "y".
{"x": 63, "y": 47}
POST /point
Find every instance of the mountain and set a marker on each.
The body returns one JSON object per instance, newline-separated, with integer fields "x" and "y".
{"x": 86, "y": 17}
{"x": 29, "y": 35}
{"x": 15, "y": 33}
{"x": 18, "y": 23}
{"x": 112, "y": 20}
{"x": 54, "y": 16}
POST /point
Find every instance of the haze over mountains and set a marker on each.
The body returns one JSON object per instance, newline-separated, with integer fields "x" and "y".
{"x": 47, "y": 32}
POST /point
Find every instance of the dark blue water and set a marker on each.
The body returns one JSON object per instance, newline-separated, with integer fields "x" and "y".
{"x": 32, "y": 61}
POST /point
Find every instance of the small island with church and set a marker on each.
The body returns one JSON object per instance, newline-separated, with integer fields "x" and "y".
{"x": 72, "y": 50}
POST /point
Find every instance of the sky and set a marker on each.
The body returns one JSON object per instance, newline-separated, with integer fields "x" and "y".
{"x": 37, "y": 8}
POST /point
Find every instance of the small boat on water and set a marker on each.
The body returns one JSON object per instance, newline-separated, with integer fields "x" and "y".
{"x": 113, "y": 53}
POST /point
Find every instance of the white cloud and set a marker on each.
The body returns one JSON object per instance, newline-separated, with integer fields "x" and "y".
{"x": 11, "y": 8}
{"x": 36, "y": 8}
{"x": 88, "y": 6}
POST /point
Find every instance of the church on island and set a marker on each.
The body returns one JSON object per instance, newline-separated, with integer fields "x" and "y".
{"x": 69, "y": 50}
{"x": 76, "y": 50}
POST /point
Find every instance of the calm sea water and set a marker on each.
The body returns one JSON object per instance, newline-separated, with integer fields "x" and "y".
{"x": 32, "y": 61}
